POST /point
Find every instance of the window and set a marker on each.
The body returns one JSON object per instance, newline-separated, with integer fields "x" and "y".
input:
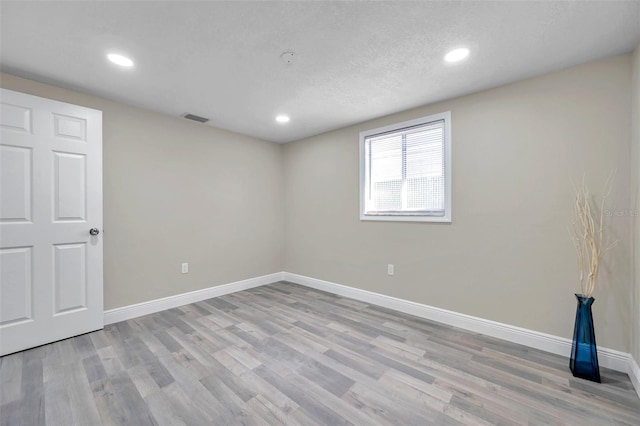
{"x": 405, "y": 171}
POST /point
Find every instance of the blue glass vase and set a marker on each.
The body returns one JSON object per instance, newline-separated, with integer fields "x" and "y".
{"x": 584, "y": 354}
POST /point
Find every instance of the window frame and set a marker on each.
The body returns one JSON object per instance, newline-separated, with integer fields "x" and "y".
{"x": 408, "y": 216}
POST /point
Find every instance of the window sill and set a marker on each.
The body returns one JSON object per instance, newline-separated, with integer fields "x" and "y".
{"x": 407, "y": 218}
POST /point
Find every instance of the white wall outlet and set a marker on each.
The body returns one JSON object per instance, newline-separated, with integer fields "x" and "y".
{"x": 185, "y": 268}
{"x": 390, "y": 269}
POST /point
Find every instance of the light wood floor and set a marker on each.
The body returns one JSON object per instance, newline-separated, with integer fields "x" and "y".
{"x": 285, "y": 354}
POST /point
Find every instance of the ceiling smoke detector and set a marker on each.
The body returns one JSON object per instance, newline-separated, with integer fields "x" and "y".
{"x": 288, "y": 57}
{"x": 194, "y": 117}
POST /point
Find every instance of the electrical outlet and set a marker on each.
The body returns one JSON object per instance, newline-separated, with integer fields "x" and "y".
{"x": 185, "y": 268}
{"x": 390, "y": 269}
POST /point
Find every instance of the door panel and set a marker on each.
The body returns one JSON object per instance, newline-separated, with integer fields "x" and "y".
{"x": 70, "y": 264}
{"x": 70, "y": 127}
{"x": 15, "y": 187}
{"x": 69, "y": 187}
{"x": 15, "y": 293}
{"x": 51, "y": 183}
{"x": 16, "y": 118}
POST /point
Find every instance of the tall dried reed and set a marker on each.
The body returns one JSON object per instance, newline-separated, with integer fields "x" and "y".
{"x": 589, "y": 234}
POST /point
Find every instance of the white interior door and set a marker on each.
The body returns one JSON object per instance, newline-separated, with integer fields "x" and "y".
{"x": 50, "y": 198}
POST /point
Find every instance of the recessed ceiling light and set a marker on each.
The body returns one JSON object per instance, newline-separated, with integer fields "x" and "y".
{"x": 456, "y": 55}
{"x": 123, "y": 61}
{"x": 282, "y": 118}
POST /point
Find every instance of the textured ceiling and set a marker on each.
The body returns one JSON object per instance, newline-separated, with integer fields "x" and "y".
{"x": 355, "y": 60}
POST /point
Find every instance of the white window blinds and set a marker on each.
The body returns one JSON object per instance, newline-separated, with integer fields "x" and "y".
{"x": 405, "y": 171}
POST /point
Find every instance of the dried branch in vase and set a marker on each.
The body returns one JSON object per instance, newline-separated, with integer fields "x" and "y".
{"x": 589, "y": 235}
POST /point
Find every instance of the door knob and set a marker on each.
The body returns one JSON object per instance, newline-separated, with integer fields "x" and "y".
{"x": 94, "y": 231}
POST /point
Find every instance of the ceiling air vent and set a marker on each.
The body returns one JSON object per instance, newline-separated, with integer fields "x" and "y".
{"x": 195, "y": 118}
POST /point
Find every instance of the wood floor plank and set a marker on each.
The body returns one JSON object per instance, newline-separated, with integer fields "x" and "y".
{"x": 67, "y": 351}
{"x": 11, "y": 413}
{"x": 184, "y": 401}
{"x": 143, "y": 381}
{"x": 110, "y": 361}
{"x": 329, "y": 379}
{"x": 168, "y": 341}
{"x": 93, "y": 368}
{"x": 284, "y": 354}
{"x": 314, "y": 408}
{"x": 233, "y": 404}
{"x": 268, "y": 391}
{"x": 269, "y": 413}
{"x": 56, "y": 400}
{"x": 419, "y": 385}
{"x": 11, "y": 378}
{"x": 32, "y": 389}
{"x": 81, "y": 400}
{"x": 163, "y": 410}
{"x": 393, "y": 411}
{"x": 329, "y": 398}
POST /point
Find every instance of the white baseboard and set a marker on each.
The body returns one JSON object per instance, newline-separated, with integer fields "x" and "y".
{"x": 608, "y": 358}
{"x": 145, "y": 308}
{"x": 634, "y": 374}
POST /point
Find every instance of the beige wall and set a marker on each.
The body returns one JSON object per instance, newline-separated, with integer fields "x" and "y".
{"x": 635, "y": 164}
{"x": 507, "y": 256}
{"x": 177, "y": 191}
